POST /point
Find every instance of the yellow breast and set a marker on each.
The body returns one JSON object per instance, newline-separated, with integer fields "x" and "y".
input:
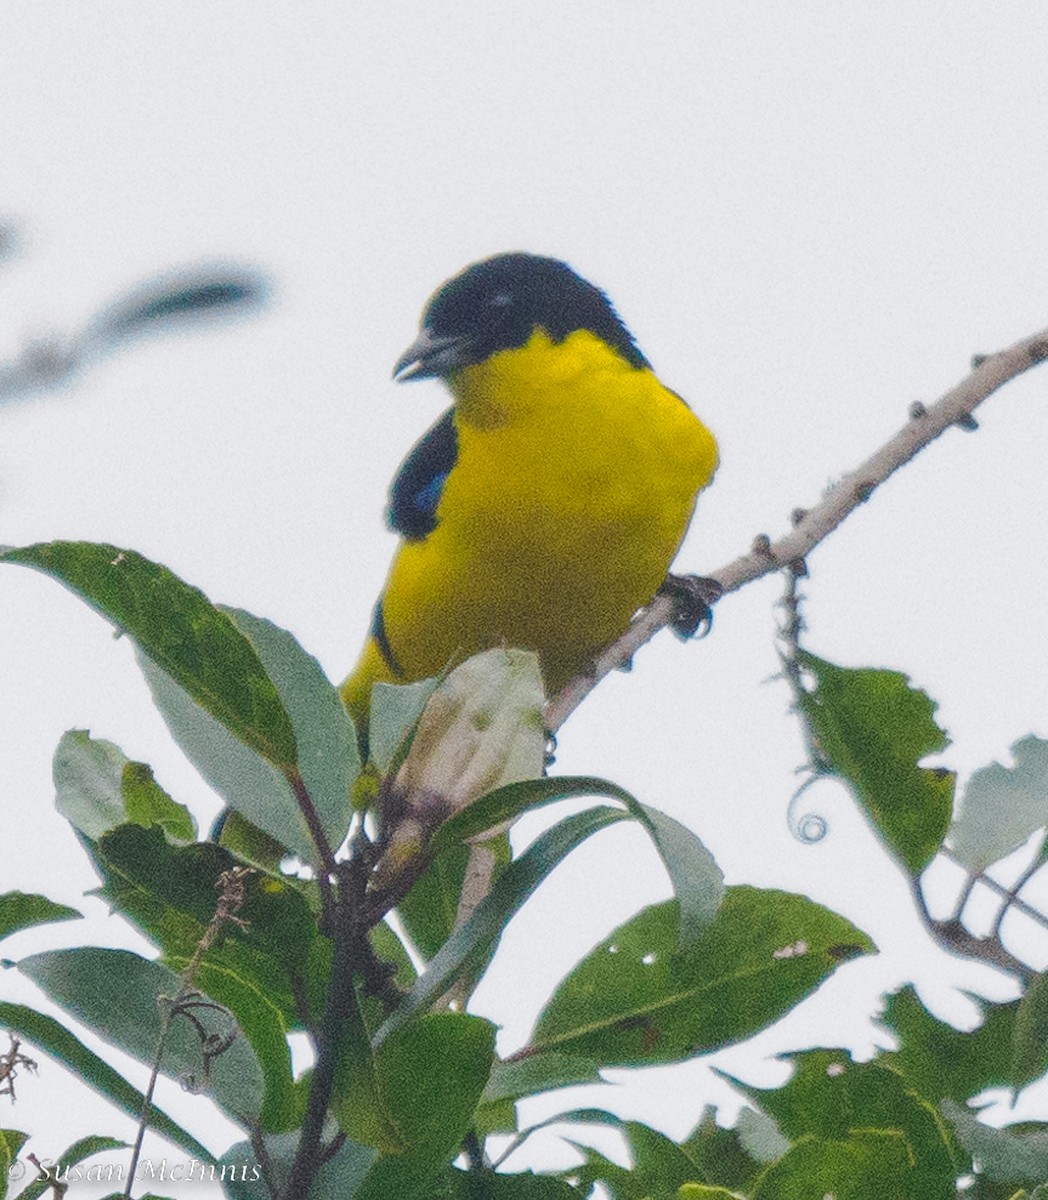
{"x": 576, "y": 478}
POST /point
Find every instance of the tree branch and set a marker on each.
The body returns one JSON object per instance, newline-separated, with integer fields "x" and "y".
{"x": 810, "y": 528}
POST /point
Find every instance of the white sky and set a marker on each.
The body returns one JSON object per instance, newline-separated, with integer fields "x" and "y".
{"x": 809, "y": 214}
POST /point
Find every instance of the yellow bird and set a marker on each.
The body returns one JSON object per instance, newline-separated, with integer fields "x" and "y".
{"x": 546, "y": 505}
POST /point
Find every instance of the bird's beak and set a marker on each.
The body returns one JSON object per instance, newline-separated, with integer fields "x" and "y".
{"x": 429, "y": 355}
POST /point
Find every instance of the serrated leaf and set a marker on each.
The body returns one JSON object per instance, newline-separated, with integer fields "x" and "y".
{"x": 635, "y": 999}
{"x": 938, "y": 1060}
{"x": 180, "y": 630}
{"x": 115, "y": 993}
{"x": 1001, "y": 1155}
{"x": 873, "y": 729}
{"x": 98, "y": 788}
{"x": 833, "y": 1098}
{"x": 23, "y": 910}
{"x": 1002, "y": 806}
{"x": 721, "y": 1155}
{"x": 51, "y": 1037}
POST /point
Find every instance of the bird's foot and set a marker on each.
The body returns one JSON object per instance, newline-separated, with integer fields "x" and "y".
{"x": 693, "y": 598}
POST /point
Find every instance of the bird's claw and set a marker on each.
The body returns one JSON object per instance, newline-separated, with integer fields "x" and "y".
{"x": 693, "y": 598}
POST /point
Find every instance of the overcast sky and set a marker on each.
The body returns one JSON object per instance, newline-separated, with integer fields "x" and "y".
{"x": 810, "y": 215}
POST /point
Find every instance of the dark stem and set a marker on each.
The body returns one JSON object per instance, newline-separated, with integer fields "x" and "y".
{"x": 336, "y": 1009}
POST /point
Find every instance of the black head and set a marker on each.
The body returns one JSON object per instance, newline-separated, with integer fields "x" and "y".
{"x": 498, "y": 304}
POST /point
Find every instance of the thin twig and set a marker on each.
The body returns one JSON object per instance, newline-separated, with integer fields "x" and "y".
{"x": 1012, "y": 900}
{"x": 1008, "y": 894}
{"x": 232, "y": 894}
{"x": 953, "y": 936}
{"x": 10, "y": 1062}
{"x": 925, "y": 425}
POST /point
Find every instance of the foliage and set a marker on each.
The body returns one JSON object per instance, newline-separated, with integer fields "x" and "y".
{"x": 249, "y": 950}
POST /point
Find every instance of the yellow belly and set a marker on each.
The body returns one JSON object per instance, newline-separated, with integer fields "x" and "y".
{"x": 576, "y": 478}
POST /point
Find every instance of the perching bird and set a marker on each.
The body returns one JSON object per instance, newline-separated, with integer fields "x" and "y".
{"x": 545, "y": 506}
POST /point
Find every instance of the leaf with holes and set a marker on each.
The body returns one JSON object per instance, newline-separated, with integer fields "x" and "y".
{"x": 637, "y": 999}
{"x": 873, "y": 729}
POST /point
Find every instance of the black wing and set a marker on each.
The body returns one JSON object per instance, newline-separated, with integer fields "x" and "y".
{"x": 419, "y": 484}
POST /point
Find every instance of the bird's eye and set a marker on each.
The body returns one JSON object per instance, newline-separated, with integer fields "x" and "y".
{"x": 501, "y": 300}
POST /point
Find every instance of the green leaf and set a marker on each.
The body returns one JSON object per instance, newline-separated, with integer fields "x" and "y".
{"x": 395, "y": 710}
{"x": 431, "y": 1074}
{"x": 337, "y": 1179}
{"x": 830, "y": 1097}
{"x": 181, "y": 631}
{"x": 10, "y": 1143}
{"x": 249, "y": 843}
{"x": 760, "y": 1136}
{"x": 697, "y": 881}
{"x": 429, "y": 909}
{"x": 247, "y": 782}
{"x": 506, "y": 803}
{"x": 660, "y": 1166}
{"x": 391, "y": 949}
{"x": 1001, "y": 1154}
{"x": 261, "y": 1022}
{"x": 169, "y": 893}
{"x": 873, "y": 729}
{"x": 357, "y": 1099}
{"x": 70, "y": 1157}
{"x": 23, "y": 910}
{"x": 1001, "y": 807}
{"x": 635, "y": 999}
{"x": 660, "y": 1162}
{"x": 1030, "y": 1041}
{"x": 454, "y": 1184}
{"x": 722, "y": 1155}
{"x": 469, "y": 948}
{"x": 702, "y": 1191}
{"x": 115, "y": 993}
{"x": 49, "y": 1036}
{"x": 328, "y": 761}
{"x": 538, "y": 1073}
{"x": 868, "y": 1165}
{"x": 939, "y": 1061}
{"x": 98, "y": 788}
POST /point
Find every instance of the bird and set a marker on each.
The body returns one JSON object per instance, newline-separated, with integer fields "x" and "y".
{"x": 544, "y": 507}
